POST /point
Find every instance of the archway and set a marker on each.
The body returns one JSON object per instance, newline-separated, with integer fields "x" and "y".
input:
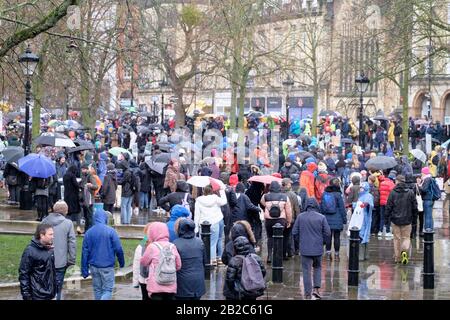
{"x": 445, "y": 103}
{"x": 420, "y": 105}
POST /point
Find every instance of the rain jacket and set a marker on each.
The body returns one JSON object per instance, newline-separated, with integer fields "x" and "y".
{"x": 65, "y": 240}
{"x": 312, "y": 229}
{"x": 101, "y": 245}
{"x": 307, "y": 179}
{"x": 402, "y": 205}
{"x": 108, "y": 190}
{"x": 208, "y": 208}
{"x": 37, "y": 274}
{"x": 191, "y": 276}
{"x": 239, "y": 229}
{"x": 275, "y": 196}
{"x": 336, "y": 220}
{"x": 366, "y": 198}
{"x": 177, "y": 212}
{"x": 386, "y": 186}
{"x": 177, "y": 197}
{"x": 242, "y": 247}
{"x": 158, "y": 232}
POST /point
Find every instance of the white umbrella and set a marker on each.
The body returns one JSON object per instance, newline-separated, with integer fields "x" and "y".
{"x": 419, "y": 154}
{"x": 203, "y": 181}
{"x": 290, "y": 142}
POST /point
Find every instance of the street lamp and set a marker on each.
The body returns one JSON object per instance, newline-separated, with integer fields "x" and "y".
{"x": 362, "y": 84}
{"x": 287, "y": 84}
{"x": 162, "y": 84}
{"x": 28, "y": 62}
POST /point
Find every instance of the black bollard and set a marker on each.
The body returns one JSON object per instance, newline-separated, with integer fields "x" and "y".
{"x": 353, "y": 259}
{"x": 277, "y": 261}
{"x": 206, "y": 238}
{"x": 428, "y": 259}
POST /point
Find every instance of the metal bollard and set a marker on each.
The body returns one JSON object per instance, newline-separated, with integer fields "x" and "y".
{"x": 353, "y": 259}
{"x": 206, "y": 238}
{"x": 277, "y": 263}
{"x": 428, "y": 259}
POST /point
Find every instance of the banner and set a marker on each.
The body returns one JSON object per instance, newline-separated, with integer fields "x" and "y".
{"x": 428, "y": 146}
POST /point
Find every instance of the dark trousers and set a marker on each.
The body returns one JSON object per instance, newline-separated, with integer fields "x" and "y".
{"x": 109, "y": 207}
{"x": 336, "y": 235}
{"x": 14, "y": 193}
{"x": 187, "y": 298}
{"x": 60, "y": 273}
{"x": 414, "y": 224}
{"x": 269, "y": 223}
{"x": 375, "y": 220}
{"x": 162, "y": 296}
{"x": 144, "y": 291}
{"x": 41, "y": 206}
{"x": 287, "y": 242}
{"x": 88, "y": 218}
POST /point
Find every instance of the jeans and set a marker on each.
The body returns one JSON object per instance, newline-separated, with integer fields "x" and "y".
{"x": 220, "y": 241}
{"x": 14, "y": 193}
{"x": 103, "y": 282}
{"x": 144, "y": 202}
{"x": 384, "y": 222}
{"x": 125, "y": 210}
{"x": 316, "y": 264}
{"x": 336, "y": 234}
{"x": 60, "y": 273}
{"x": 428, "y": 214}
{"x": 215, "y": 234}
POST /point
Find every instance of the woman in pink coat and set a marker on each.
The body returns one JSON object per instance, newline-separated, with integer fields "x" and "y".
{"x": 158, "y": 236}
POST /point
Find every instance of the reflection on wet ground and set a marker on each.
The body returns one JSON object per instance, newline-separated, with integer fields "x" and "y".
{"x": 380, "y": 278}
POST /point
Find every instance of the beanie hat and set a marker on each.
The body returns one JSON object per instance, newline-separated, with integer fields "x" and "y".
{"x": 85, "y": 166}
{"x": 322, "y": 167}
{"x": 61, "y": 207}
{"x": 110, "y": 166}
{"x": 234, "y": 180}
{"x": 425, "y": 170}
{"x": 392, "y": 175}
{"x": 311, "y": 167}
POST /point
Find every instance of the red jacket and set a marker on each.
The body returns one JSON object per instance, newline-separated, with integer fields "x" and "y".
{"x": 386, "y": 187}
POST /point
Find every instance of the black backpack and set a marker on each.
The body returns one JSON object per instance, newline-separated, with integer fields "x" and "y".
{"x": 275, "y": 210}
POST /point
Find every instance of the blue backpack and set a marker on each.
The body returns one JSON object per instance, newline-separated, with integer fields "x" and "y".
{"x": 435, "y": 191}
{"x": 328, "y": 205}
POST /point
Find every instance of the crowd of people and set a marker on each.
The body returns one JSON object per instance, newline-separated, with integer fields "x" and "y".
{"x": 312, "y": 196}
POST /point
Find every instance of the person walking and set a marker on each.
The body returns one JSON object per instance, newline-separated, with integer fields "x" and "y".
{"x": 127, "y": 183}
{"x": 101, "y": 246}
{"x": 240, "y": 228}
{"x": 177, "y": 212}
{"x": 425, "y": 187}
{"x": 313, "y": 231}
{"x": 375, "y": 192}
{"x": 191, "y": 276}
{"x": 367, "y": 205}
{"x": 181, "y": 197}
{"x": 401, "y": 208}
{"x": 173, "y": 174}
{"x": 37, "y": 273}
{"x": 278, "y": 209}
{"x": 208, "y": 208}
{"x": 140, "y": 273}
{"x": 158, "y": 237}
{"x": 333, "y": 208}
{"x": 65, "y": 242}
{"x": 39, "y": 187}
{"x": 72, "y": 196}
{"x": 386, "y": 186}
{"x": 109, "y": 188}
{"x": 244, "y": 207}
{"x": 89, "y": 187}
{"x": 288, "y": 247}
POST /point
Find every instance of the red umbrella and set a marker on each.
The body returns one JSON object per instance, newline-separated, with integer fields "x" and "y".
{"x": 265, "y": 179}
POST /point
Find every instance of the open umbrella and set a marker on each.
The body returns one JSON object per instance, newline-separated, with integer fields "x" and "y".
{"x": 419, "y": 154}
{"x": 420, "y": 122}
{"x": 54, "y": 139}
{"x": 72, "y": 124}
{"x": 445, "y": 144}
{"x": 381, "y": 163}
{"x": 118, "y": 150}
{"x": 164, "y": 157}
{"x": 203, "y": 181}
{"x": 327, "y": 113}
{"x": 156, "y": 166}
{"x": 81, "y": 145}
{"x": 290, "y": 142}
{"x": 54, "y": 123}
{"x": 143, "y": 130}
{"x": 145, "y": 114}
{"x": 12, "y": 154}
{"x": 305, "y": 155}
{"x": 380, "y": 118}
{"x": 37, "y": 166}
{"x": 347, "y": 141}
{"x": 267, "y": 179}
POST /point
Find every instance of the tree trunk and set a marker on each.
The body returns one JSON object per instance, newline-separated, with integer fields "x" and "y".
{"x": 87, "y": 119}
{"x": 38, "y": 100}
{"x": 180, "y": 111}
{"x": 233, "y": 106}
{"x": 241, "y": 106}
{"x": 315, "y": 110}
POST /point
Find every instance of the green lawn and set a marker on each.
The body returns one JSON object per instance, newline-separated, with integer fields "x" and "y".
{"x": 12, "y": 246}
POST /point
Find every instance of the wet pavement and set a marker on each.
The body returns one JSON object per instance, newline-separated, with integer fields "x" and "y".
{"x": 379, "y": 279}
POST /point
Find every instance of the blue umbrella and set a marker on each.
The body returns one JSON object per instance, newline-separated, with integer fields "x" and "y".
{"x": 37, "y": 166}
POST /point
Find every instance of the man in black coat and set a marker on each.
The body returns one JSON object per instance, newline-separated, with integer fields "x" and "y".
{"x": 178, "y": 197}
{"x": 401, "y": 209}
{"x": 37, "y": 273}
{"x": 244, "y": 208}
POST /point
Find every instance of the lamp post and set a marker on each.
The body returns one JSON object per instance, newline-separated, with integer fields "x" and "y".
{"x": 28, "y": 62}
{"x": 287, "y": 84}
{"x": 362, "y": 84}
{"x": 162, "y": 84}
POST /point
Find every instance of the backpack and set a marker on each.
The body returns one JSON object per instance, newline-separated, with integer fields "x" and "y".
{"x": 275, "y": 210}
{"x": 328, "y": 205}
{"x": 252, "y": 280}
{"x": 435, "y": 190}
{"x": 165, "y": 271}
{"x": 119, "y": 176}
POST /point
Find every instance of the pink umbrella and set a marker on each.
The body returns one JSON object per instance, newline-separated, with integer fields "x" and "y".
{"x": 265, "y": 179}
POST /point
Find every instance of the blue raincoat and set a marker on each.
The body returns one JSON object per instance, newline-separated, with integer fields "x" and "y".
{"x": 367, "y": 198}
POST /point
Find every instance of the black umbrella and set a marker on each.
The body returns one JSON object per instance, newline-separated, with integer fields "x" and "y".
{"x": 145, "y": 114}
{"x": 347, "y": 140}
{"x": 305, "y": 138}
{"x": 163, "y": 157}
{"x": 82, "y": 145}
{"x": 143, "y": 130}
{"x": 327, "y": 113}
{"x": 156, "y": 166}
{"x": 54, "y": 139}
{"x": 380, "y": 118}
{"x": 304, "y": 155}
{"x": 12, "y": 154}
{"x": 381, "y": 163}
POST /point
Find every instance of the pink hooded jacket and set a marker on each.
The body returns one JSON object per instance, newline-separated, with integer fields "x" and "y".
{"x": 158, "y": 232}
